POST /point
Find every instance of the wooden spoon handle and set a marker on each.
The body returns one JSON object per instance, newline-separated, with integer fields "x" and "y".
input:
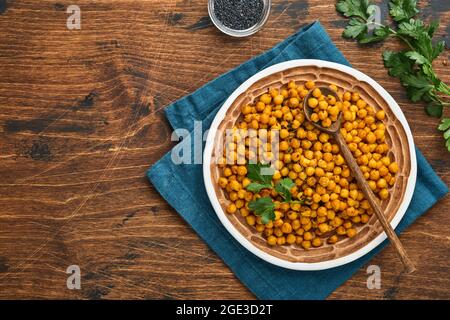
{"x": 370, "y": 196}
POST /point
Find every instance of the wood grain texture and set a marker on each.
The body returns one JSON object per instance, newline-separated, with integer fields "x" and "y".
{"x": 81, "y": 121}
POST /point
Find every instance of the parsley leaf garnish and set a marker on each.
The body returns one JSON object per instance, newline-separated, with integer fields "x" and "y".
{"x": 284, "y": 188}
{"x": 353, "y": 8}
{"x": 263, "y": 207}
{"x": 259, "y": 172}
{"x": 445, "y": 126}
{"x": 261, "y": 176}
{"x": 257, "y": 187}
{"x": 402, "y": 9}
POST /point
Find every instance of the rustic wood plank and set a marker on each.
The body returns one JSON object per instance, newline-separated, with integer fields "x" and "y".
{"x": 81, "y": 121}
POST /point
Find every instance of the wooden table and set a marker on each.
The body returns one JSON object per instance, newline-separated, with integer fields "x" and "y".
{"x": 81, "y": 121}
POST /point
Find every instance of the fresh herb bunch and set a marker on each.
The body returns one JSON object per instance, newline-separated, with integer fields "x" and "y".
{"x": 413, "y": 66}
{"x": 265, "y": 207}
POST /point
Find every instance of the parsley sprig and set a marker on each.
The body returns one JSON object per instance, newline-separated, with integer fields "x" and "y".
{"x": 445, "y": 126}
{"x": 413, "y": 65}
{"x": 261, "y": 177}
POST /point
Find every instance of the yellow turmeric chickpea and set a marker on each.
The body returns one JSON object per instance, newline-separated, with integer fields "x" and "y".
{"x": 379, "y": 134}
{"x": 381, "y": 115}
{"x": 364, "y": 218}
{"x": 251, "y": 220}
{"x": 347, "y": 115}
{"x": 292, "y": 85}
{"x": 306, "y": 244}
{"x": 317, "y": 242}
{"x": 351, "y": 232}
{"x": 322, "y": 114}
{"x": 295, "y": 143}
{"x": 244, "y": 212}
{"x": 265, "y": 98}
{"x": 227, "y": 172}
{"x": 272, "y": 240}
{"x": 231, "y": 208}
{"x": 284, "y": 145}
{"x": 278, "y": 99}
{"x": 333, "y": 87}
{"x": 310, "y": 84}
{"x": 333, "y": 239}
{"x": 316, "y": 198}
{"x": 242, "y": 194}
{"x": 331, "y": 99}
{"x": 341, "y": 231}
{"x": 381, "y": 183}
{"x": 284, "y": 133}
{"x": 383, "y": 194}
{"x": 292, "y": 215}
{"x": 344, "y": 193}
{"x": 281, "y": 240}
{"x": 355, "y": 96}
{"x": 294, "y": 102}
{"x": 260, "y": 228}
{"x": 264, "y": 118}
{"x": 393, "y": 167}
{"x": 313, "y": 102}
{"x": 274, "y": 92}
{"x": 309, "y": 154}
{"x": 307, "y": 236}
{"x": 277, "y": 231}
{"x": 323, "y": 105}
{"x": 326, "y": 122}
{"x": 287, "y": 158}
{"x": 242, "y": 171}
{"x": 290, "y": 238}
{"x": 325, "y": 198}
{"x": 323, "y": 227}
{"x": 246, "y": 109}
{"x": 288, "y": 117}
{"x": 361, "y": 104}
{"x": 235, "y": 185}
{"x": 260, "y": 106}
{"x": 296, "y": 224}
{"x": 371, "y": 137}
{"x": 333, "y": 111}
{"x": 316, "y": 93}
{"x": 324, "y": 181}
{"x": 223, "y": 182}
{"x": 278, "y": 114}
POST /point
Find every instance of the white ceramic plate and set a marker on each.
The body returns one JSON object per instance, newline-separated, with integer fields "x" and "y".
{"x": 248, "y": 244}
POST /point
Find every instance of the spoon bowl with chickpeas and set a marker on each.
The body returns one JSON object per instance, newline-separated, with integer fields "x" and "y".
{"x": 302, "y": 160}
{"x": 322, "y": 106}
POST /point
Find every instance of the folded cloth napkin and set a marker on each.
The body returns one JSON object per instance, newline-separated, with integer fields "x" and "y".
{"x": 182, "y": 185}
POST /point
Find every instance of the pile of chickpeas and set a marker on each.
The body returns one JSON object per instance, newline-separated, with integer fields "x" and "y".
{"x": 333, "y": 204}
{"x": 325, "y": 109}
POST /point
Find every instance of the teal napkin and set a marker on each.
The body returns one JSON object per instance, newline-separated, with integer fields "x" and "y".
{"x": 182, "y": 185}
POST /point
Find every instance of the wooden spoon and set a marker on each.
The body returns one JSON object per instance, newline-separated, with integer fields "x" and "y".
{"x": 334, "y": 130}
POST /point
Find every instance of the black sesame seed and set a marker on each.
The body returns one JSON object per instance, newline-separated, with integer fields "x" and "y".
{"x": 239, "y": 14}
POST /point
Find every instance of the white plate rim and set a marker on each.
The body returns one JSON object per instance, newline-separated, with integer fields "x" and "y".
{"x": 222, "y": 215}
